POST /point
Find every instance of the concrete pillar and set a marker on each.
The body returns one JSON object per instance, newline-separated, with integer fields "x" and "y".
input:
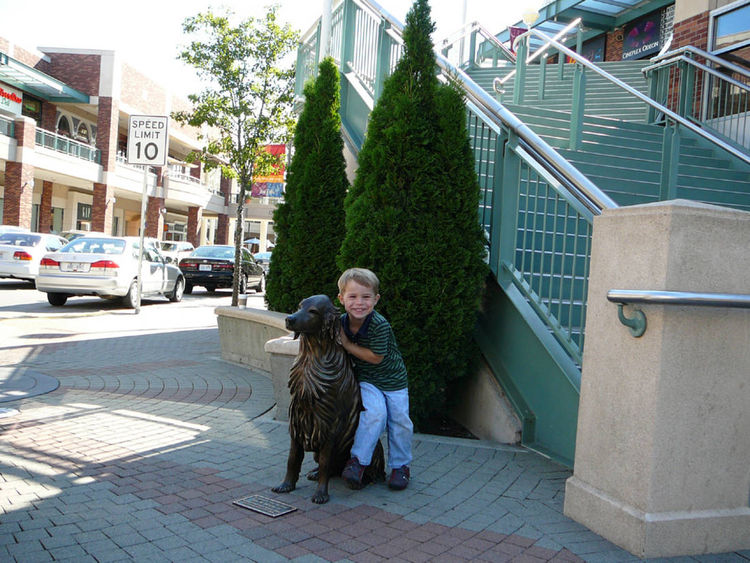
{"x": 19, "y": 176}
{"x": 195, "y": 215}
{"x": 662, "y": 462}
{"x": 45, "y": 208}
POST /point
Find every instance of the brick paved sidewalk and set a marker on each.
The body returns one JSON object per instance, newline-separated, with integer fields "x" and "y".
{"x": 141, "y": 450}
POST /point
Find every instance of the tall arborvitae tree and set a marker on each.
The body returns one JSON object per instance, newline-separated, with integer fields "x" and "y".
{"x": 309, "y": 224}
{"x": 411, "y": 217}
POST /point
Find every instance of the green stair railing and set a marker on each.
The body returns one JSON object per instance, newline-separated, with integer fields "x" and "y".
{"x": 676, "y": 124}
{"x": 687, "y": 82}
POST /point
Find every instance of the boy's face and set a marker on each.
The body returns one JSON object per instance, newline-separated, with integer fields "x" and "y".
{"x": 359, "y": 300}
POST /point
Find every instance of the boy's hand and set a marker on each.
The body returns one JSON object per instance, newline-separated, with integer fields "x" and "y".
{"x": 345, "y": 342}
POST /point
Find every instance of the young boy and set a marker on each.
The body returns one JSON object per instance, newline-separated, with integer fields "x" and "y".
{"x": 381, "y": 372}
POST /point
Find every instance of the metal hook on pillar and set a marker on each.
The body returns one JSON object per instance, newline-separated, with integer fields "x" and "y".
{"x": 636, "y": 323}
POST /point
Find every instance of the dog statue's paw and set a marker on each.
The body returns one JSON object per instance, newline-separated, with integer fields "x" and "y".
{"x": 285, "y": 487}
{"x": 320, "y": 497}
{"x": 313, "y": 475}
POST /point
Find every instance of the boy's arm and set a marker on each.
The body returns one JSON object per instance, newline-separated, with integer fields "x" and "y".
{"x": 364, "y": 354}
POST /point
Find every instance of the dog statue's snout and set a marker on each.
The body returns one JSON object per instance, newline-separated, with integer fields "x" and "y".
{"x": 290, "y": 322}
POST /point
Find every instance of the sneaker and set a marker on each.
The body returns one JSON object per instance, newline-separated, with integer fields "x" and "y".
{"x": 353, "y": 473}
{"x": 399, "y": 478}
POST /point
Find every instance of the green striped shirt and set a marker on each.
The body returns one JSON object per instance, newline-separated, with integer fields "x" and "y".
{"x": 377, "y": 335}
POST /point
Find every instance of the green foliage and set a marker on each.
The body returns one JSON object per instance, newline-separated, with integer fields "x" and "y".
{"x": 247, "y": 98}
{"x": 309, "y": 225}
{"x": 411, "y": 217}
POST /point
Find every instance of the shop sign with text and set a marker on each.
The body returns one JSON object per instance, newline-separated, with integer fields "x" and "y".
{"x": 11, "y": 100}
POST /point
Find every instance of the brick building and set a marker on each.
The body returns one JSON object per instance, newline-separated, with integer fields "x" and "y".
{"x": 63, "y": 137}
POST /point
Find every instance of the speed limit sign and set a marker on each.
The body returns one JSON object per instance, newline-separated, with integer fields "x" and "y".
{"x": 147, "y": 139}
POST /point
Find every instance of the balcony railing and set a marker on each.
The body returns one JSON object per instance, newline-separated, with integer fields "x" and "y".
{"x": 65, "y": 145}
{"x": 7, "y": 127}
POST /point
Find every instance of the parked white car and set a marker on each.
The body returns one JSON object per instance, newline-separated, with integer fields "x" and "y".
{"x": 108, "y": 267}
{"x": 21, "y": 252}
{"x": 173, "y": 250}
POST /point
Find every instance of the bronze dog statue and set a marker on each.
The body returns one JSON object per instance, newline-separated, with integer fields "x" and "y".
{"x": 325, "y": 400}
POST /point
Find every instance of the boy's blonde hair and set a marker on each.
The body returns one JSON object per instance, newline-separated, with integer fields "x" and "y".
{"x": 362, "y": 276}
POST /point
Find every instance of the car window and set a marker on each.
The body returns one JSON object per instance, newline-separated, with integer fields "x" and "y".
{"x": 54, "y": 243}
{"x": 20, "y": 239}
{"x": 213, "y": 252}
{"x": 95, "y": 245}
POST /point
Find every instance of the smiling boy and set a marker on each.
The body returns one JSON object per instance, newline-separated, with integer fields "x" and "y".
{"x": 381, "y": 372}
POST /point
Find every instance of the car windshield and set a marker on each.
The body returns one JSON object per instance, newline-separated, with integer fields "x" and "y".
{"x": 95, "y": 245}
{"x": 213, "y": 252}
{"x": 19, "y": 239}
{"x": 168, "y": 246}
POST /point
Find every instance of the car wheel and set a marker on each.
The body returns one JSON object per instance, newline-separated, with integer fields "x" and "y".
{"x": 211, "y": 288}
{"x": 57, "y": 299}
{"x": 261, "y": 287}
{"x": 179, "y": 288}
{"x": 130, "y": 299}
{"x": 188, "y": 288}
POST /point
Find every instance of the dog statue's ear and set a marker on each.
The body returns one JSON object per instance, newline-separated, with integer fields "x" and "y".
{"x": 332, "y": 323}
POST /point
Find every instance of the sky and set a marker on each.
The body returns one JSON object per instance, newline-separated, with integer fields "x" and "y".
{"x": 147, "y": 34}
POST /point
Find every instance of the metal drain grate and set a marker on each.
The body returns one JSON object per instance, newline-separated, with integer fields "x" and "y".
{"x": 267, "y": 506}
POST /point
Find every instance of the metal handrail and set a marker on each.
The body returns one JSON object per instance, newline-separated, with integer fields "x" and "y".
{"x": 637, "y": 322}
{"x": 656, "y": 105}
{"x": 705, "y": 68}
{"x": 587, "y": 192}
{"x": 660, "y": 60}
{"x": 498, "y": 83}
{"x": 654, "y": 297}
{"x": 476, "y": 26}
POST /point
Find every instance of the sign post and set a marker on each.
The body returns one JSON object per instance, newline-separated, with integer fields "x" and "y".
{"x": 147, "y": 146}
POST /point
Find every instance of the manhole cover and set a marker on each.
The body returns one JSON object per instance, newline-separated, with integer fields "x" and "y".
{"x": 267, "y": 506}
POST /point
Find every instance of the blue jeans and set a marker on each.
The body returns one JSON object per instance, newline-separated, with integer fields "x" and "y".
{"x": 384, "y": 408}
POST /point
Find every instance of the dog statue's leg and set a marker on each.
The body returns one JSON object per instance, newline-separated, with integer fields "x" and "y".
{"x": 293, "y": 466}
{"x": 324, "y": 468}
{"x": 312, "y": 475}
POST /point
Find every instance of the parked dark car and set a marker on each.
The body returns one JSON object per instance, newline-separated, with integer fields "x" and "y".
{"x": 213, "y": 267}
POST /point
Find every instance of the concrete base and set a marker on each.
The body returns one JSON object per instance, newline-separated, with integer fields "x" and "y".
{"x": 284, "y": 351}
{"x": 243, "y": 334}
{"x": 662, "y": 534}
{"x": 662, "y": 461}
{"x": 484, "y": 410}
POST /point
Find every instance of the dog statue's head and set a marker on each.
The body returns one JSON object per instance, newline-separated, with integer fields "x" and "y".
{"x": 316, "y": 316}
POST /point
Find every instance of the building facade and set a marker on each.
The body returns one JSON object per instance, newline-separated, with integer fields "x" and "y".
{"x": 63, "y": 161}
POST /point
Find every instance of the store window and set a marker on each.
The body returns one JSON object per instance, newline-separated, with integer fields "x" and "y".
{"x": 57, "y": 219}
{"x": 32, "y": 108}
{"x": 82, "y": 134}
{"x": 63, "y": 126}
{"x": 731, "y": 27}
{"x": 83, "y": 220}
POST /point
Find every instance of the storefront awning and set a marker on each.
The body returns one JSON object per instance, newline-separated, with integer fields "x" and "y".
{"x": 30, "y": 80}
{"x": 597, "y": 16}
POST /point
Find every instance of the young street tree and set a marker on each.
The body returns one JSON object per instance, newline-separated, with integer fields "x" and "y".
{"x": 247, "y": 99}
{"x": 309, "y": 225}
{"x": 411, "y": 216}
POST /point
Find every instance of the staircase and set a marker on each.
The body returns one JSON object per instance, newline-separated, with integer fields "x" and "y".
{"x": 618, "y": 151}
